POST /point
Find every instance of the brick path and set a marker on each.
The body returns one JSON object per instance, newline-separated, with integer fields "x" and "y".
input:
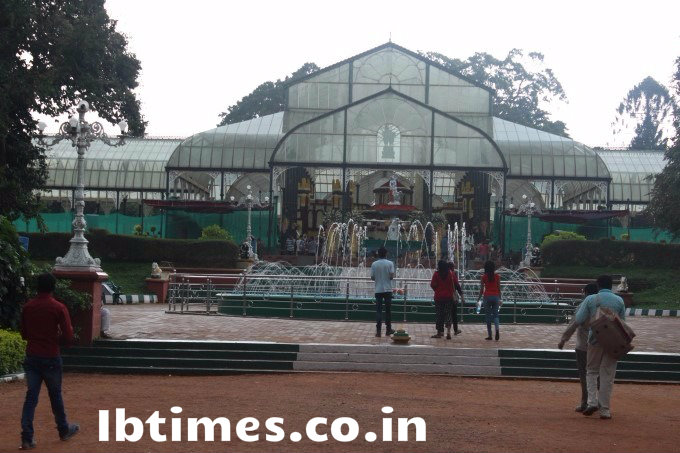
{"x": 151, "y": 321}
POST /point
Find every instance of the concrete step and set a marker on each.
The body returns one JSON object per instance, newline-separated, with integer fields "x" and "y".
{"x": 179, "y": 353}
{"x": 458, "y": 370}
{"x": 165, "y": 370}
{"x": 398, "y": 359}
{"x": 639, "y": 366}
{"x": 163, "y": 362}
{"x": 396, "y": 349}
{"x": 566, "y": 363}
{"x": 194, "y": 344}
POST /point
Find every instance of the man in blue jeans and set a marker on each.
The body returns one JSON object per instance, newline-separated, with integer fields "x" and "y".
{"x": 44, "y": 322}
{"x": 382, "y": 273}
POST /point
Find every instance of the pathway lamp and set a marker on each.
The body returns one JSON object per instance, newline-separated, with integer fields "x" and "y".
{"x": 250, "y": 202}
{"x": 529, "y": 208}
{"x": 81, "y": 133}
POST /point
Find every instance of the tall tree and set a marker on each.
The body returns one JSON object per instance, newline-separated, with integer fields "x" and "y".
{"x": 665, "y": 203}
{"x": 267, "y": 98}
{"x": 647, "y": 112}
{"x": 52, "y": 53}
{"x": 523, "y": 84}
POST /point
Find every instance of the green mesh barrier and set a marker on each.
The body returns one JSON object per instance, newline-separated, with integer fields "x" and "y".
{"x": 113, "y": 223}
{"x": 183, "y": 224}
{"x": 173, "y": 224}
{"x": 516, "y": 232}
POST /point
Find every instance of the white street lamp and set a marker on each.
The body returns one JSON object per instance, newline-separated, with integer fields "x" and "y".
{"x": 529, "y": 208}
{"x": 249, "y": 201}
{"x": 81, "y": 134}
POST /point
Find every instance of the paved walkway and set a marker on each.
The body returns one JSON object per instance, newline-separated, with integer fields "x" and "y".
{"x": 151, "y": 321}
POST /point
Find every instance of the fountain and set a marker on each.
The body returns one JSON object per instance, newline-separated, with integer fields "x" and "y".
{"x": 338, "y": 286}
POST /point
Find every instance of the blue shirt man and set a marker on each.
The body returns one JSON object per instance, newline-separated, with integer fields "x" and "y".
{"x": 604, "y": 298}
{"x": 382, "y": 272}
{"x": 600, "y": 365}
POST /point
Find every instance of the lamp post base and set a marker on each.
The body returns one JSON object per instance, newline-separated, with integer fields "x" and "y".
{"x": 78, "y": 257}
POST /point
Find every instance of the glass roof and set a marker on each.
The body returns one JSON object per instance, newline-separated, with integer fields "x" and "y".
{"x": 534, "y": 153}
{"x": 240, "y": 146}
{"x": 388, "y": 65}
{"x": 529, "y": 153}
{"x": 137, "y": 165}
{"x": 388, "y": 128}
{"x": 633, "y": 174}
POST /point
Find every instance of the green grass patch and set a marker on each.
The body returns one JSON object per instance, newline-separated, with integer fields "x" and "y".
{"x": 130, "y": 276}
{"x": 652, "y": 287}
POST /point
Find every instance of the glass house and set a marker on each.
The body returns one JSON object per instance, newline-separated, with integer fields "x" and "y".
{"x": 347, "y": 130}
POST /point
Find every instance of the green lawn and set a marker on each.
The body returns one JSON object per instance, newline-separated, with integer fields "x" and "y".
{"x": 652, "y": 288}
{"x": 130, "y": 276}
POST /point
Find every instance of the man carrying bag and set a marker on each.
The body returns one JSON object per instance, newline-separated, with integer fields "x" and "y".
{"x": 606, "y": 343}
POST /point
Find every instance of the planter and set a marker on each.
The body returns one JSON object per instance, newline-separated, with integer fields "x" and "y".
{"x": 244, "y": 264}
{"x": 159, "y": 287}
{"x": 401, "y": 337}
{"x": 627, "y": 299}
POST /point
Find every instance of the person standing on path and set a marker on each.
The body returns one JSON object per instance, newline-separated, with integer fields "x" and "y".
{"x": 453, "y": 313}
{"x": 490, "y": 288}
{"x": 600, "y": 364}
{"x": 581, "y": 348}
{"x": 442, "y": 284}
{"x": 44, "y": 322}
{"x": 382, "y": 273}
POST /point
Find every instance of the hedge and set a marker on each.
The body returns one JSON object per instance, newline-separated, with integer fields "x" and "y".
{"x": 12, "y": 350}
{"x": 606, "y": 252}
{"x": 114, "y": 247}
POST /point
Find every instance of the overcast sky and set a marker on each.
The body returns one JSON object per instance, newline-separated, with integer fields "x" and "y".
{"x": 198, "y": 57}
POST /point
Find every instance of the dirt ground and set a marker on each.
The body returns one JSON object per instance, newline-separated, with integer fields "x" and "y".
{"x": 462, "y": 414}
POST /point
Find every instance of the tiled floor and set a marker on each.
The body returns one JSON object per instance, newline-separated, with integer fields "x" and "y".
{"x": 151, "y": 321}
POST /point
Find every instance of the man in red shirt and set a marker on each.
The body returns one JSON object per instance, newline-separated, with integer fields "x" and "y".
{"x": 44, "y": 322}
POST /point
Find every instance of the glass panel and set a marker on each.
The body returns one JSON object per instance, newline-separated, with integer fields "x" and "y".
{"x": 559, "y": 156}
{"x": 389, "y": 129}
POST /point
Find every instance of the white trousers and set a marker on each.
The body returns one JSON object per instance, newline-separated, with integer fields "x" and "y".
{"x": 601, "y": 365}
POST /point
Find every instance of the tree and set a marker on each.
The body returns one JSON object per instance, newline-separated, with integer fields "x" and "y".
{"x": 522, "y": 83}
{"x": 647, "y": 111}
{"x": 53, "y": 53}
{"x": 664, "y": 205}
{"x": 268, "y": 98}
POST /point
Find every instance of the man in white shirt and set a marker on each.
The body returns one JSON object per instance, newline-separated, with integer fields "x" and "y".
{"x": 382, "y": 273}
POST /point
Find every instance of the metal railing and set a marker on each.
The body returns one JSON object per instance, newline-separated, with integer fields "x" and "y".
{"x": 202, "y": 293}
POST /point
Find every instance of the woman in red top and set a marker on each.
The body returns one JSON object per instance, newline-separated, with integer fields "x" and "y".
{"x": 442, "y": 284}
{"x": 490, "y": 287}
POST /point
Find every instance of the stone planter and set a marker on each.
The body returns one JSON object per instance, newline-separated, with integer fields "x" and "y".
{"x": 159, "y": 287}
{"x": 401, "y": 336}
{"x": 627, "y": 299}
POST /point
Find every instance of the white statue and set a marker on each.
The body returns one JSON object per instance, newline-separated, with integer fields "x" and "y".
{"x": 155, "y": 271}
{"x": 393, "y": 230}
{"x": 394, "y": 191}
{"x": 623, "y": 285}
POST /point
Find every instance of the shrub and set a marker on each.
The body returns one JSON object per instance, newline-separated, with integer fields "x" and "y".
{"x": 12, "y": 351}
{"x": 114, "y": 247}
{"x": 215, "y": 233}
{"x": 14, "y": 270}
{"x": 562, "y": 236}
{"x": 137, "y": 230}
{"x": 625, "y": 237}
{"x": 612, "y": 253}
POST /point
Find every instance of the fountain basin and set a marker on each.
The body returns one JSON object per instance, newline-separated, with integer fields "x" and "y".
{"x": 363, "y": 309}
